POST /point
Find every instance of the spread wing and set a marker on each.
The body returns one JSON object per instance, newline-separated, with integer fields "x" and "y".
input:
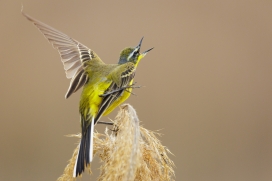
{"x": 73, "y": 54}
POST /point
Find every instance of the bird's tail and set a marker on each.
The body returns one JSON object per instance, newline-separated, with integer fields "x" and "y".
{"x": 85, "y": 153}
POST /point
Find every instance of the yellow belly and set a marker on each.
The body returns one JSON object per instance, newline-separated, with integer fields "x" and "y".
{"x": 90, "y": 99}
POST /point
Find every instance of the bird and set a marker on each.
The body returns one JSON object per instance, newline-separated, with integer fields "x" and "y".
{"x": 104, "y": 86}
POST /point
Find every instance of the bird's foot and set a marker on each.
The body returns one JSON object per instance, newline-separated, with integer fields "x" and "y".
{"x": 115, "y": 129}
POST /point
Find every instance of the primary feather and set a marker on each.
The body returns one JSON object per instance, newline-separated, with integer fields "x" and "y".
{"x": 73, "y": 54}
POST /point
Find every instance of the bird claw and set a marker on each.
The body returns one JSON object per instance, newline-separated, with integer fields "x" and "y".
{"x": 115, "y": 129}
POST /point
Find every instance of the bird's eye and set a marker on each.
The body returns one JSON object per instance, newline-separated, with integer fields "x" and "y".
{"x": 135, "y": 53}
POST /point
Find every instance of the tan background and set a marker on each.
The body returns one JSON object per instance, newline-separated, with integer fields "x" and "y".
{"x": 208, "y": 83}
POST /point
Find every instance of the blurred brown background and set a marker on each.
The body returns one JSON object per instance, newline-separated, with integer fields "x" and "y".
{"x": 208, "y": 83}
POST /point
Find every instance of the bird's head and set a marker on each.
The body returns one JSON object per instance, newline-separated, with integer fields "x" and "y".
{"x": 133, "y": 54}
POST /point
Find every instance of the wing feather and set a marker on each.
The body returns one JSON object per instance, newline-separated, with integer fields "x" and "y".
{"x": 77, "y": 82}
{"x": 73, "y": 54}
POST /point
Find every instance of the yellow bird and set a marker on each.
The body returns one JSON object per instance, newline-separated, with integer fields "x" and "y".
{"x": 105, "y": 86}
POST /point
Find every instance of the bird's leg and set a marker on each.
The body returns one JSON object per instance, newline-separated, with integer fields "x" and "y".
{"x": 120, "y": 89}
{"x": 107, "y": 123}
{"x": 115, "y": 127}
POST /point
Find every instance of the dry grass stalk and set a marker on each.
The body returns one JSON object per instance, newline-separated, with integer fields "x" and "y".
{"x": 132, "y": 153}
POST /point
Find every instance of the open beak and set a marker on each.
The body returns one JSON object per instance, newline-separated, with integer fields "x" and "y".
{"x": 138, "y": 47}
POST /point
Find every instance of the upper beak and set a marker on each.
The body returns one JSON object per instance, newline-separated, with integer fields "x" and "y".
{"x": 138, "y": 47}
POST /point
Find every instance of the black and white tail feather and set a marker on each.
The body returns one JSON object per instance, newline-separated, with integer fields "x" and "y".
{"x": 85, "y": 153}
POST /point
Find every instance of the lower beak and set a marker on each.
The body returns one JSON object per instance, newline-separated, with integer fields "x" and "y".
{"x": 145, "y": 52}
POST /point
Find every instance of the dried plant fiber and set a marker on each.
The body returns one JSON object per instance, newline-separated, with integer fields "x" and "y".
{"x": 129, "y": 153}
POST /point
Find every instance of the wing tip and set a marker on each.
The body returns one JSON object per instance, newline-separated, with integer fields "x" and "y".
{"x": 22, "y": 8}
{"x": 24, "y": 14}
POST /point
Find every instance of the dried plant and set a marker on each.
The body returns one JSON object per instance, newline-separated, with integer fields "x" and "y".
{"x": 129, "y": 153}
